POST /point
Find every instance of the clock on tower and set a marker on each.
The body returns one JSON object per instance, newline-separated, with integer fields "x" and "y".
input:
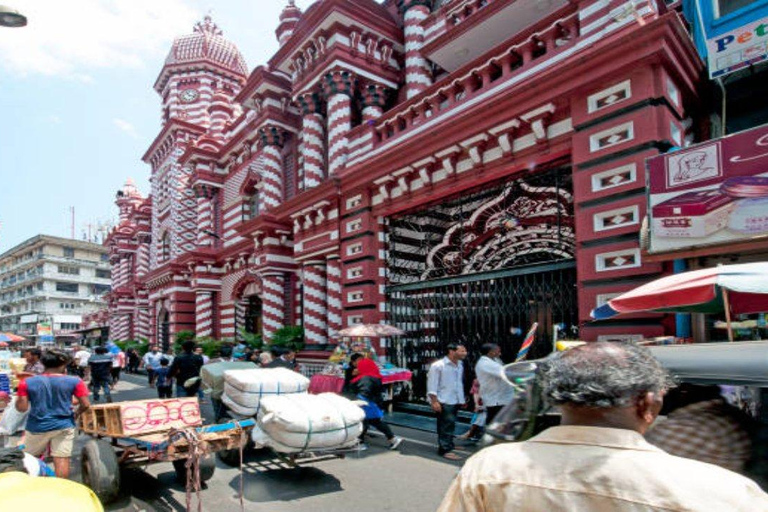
{"x": 189, "y": 95}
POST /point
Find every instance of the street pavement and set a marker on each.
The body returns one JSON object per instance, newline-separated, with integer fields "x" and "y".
{"x": 413, "y": 478}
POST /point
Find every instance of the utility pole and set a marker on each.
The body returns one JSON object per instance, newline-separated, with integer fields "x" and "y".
{"x": 72, "y": 225}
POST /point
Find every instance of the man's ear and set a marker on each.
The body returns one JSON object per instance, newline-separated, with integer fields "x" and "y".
{"x": 648, "y": 407}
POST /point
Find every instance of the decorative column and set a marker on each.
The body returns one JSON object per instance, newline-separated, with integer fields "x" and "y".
{"x": 374, "y": 99}
{"x": 203, "y": 313}
{"x": 418, "y": 74}
{"x": 333, "y": 266}
{"x": 142, "y": 328}
{"x": 339, "y": 88}
{"x": 142, "y": 263}
{"x": 204, "y": 195}
{"x": 313, "y": 139}
{"x": 272, "y": 140}
{"x": 273, "y": 304}
{"x": 315, "y": 313}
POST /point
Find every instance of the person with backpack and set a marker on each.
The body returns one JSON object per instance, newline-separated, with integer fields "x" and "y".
{"x": 368, "y": 388}
{"x": 185, "y": 367}
{"x": 101, "y": 373}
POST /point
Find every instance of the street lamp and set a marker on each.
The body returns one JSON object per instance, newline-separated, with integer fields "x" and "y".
{"x": 11, "y": 18}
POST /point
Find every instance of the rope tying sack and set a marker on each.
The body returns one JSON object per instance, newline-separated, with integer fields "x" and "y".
{"x": 198, "y": 449}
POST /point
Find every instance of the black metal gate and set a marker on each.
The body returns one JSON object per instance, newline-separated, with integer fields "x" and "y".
{"x": 483, "y": 267}
{"x": 499, "y": 307}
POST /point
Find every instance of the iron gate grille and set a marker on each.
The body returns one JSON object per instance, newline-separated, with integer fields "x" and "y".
{"x": 498, "y": 307}
{"x": 482, "y": 264}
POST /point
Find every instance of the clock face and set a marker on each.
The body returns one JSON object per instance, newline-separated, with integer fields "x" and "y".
{"x": 189, "y": 95}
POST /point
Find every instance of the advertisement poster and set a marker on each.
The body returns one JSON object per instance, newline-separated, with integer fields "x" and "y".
{"x": 738, "y": 48}
{"x": 44, "y": 333}
{"x": 713, "y": 193}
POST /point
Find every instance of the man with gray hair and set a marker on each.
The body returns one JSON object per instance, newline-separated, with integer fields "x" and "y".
{"x": 597, "y": 459}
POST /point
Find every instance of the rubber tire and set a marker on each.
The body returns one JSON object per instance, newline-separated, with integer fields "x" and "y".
{"x": 207, "y": 469}
{"x": 101, "y": 470}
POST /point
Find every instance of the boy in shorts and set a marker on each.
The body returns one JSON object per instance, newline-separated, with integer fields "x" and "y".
{"x": 51, "y": 421}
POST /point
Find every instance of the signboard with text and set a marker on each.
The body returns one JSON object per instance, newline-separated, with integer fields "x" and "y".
{"x": 738, "y": 48}
{"x": 44, "y": 333}
{"x": 713, "y": 193}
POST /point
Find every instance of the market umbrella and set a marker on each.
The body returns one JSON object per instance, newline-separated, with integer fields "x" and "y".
{"x": 3, "y": 344}
{"x": 8, "y": 337}
{"x": 371, "y": 331}
{"x": 729, "y": 289}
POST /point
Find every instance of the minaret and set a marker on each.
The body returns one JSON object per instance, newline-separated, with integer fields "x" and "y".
{"x": 289, "y": 18}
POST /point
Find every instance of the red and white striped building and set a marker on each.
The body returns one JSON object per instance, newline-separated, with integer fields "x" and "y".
{"x": 393, "y": 158}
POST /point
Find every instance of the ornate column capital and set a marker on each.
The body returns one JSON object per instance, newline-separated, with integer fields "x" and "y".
{"x": 311, "y": 103}
{"x": 339, "y": 82}
{"x": 272, "y": 136}
{"x": 375, "y": 95}
{"x": 405, "y": 5}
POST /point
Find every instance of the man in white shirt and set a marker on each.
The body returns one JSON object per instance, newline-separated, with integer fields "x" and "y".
{"x": 494, "y": 390}
{"x": 152, "y": 363}
{"x": 82, "y": 355}
{"x": 445, "y": 391}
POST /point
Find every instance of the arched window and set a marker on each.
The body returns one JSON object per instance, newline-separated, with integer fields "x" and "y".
{"x": 253, "y": 204}
{"x": 165, "y": 247}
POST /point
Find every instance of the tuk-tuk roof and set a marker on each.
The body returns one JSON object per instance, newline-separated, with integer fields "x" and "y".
{"x": 741, "y": 363}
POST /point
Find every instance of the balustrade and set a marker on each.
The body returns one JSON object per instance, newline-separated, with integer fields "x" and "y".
{"x": 445, "y": 95}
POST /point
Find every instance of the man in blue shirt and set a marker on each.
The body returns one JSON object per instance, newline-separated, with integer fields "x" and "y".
{"x": 51, "y": 421}
{"x": 101, "y": 373}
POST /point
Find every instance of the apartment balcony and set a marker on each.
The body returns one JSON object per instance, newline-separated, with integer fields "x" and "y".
{"x": 463, "y": 30}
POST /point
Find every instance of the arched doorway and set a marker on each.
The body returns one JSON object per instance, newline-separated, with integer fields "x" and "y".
{"x": 164, "y": 330}
{"x": 253, "y": 312}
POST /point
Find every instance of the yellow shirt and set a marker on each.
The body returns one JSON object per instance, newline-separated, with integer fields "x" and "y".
{"x": 591, "y": 469}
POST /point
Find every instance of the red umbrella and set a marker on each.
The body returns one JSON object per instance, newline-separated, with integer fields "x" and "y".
{"x": 7, "y": 336}
{"x": 725, "y": 289}
{"x": 3, "y": 344}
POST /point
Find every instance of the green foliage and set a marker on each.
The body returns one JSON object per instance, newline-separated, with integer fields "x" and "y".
{"x": 210, "y": 346}
{"x": 140, "y": 345}
{"x": 291, "y": 336}
{"x": 252, "y": 340}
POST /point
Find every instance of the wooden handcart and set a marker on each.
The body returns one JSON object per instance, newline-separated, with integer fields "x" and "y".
{"x": 139, "y": 433}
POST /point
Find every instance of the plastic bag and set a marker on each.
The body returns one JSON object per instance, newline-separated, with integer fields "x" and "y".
{"x": 12, "y": 421}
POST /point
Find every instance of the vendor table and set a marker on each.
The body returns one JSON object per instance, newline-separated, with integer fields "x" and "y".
{"x": 321, "y": 383}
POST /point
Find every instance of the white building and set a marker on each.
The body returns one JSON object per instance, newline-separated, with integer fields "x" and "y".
{"x": 47, "y": 278}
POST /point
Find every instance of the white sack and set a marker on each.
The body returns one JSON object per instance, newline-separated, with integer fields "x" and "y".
{"x": 246, "y": 388}
{"x": 12, "y": 421}
{"x": 299, "y": 423}
{"x": 213, "y": 375}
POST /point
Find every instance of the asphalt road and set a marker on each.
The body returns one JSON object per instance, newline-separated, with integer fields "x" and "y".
{"x": 413, "y": 478}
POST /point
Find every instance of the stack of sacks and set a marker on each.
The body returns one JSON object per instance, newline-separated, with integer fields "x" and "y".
{"x": 299, "y": 423}
{"x": 212, "y": 375}
{"x": 245, "y": 389}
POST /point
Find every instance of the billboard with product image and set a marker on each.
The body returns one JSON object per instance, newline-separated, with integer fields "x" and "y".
{"x": 712, "y": 193}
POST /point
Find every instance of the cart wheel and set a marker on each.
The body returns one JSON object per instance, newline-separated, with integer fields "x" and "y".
{"x": 207, "y": 468}
{"x": 232, "y": 457}
{"x": 101, "y": 471}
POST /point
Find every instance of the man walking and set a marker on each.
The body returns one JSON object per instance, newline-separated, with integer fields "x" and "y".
{"x": 494, "y": 390}
{"x": 184, "y": 367}
{"x": 101, "y": 373}
{"x": 81, "y": 360}
{"x": 597, "y": 459}
{"x": 33, "y": 366}
{"x": 445, "y": 390}
{"x": 152, "y": 363}
{"x": 48, "y": 398}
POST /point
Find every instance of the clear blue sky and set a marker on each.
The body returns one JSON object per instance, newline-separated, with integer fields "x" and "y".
{"x": 77, "y": 108}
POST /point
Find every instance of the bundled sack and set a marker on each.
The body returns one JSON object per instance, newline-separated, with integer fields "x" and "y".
{"x": 213, "y": 375}
{"x": 299, "y": 423}
{"x": 244, "y": 389}
{"x": 12, "y": 421}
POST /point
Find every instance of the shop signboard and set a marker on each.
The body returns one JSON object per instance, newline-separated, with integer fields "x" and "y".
{"x": 738, "y": 48}
{"x": 44, "y": 333}
{"x": 712, "y": 193}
